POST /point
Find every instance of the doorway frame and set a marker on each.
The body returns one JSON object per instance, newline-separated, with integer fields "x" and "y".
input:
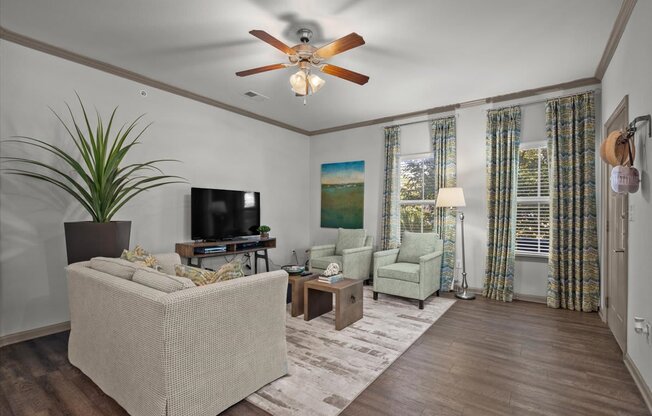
{"x": 605, "y": 189}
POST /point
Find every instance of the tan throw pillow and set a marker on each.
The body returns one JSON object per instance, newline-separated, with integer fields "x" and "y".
{"x": 142, "y": 257}
{"x": 161, "y": 281}
{"x": 230, "y": 271}
{"x": 202, "y": 277}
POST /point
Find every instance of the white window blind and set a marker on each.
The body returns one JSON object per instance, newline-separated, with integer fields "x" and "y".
{"x": 533, "y": 201}
{"x": 417, "y": 194}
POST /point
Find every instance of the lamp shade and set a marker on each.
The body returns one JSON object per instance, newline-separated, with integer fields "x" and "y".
{"x": 450, "y": 197}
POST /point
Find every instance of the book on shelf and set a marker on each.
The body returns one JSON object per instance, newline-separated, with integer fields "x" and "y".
{"x": 331, "y": 279}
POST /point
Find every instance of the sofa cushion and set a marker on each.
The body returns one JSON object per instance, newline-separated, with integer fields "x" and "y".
{"x": 161, "y": 281}
{"x": 323, "y": 262}
{"x": 349, "y": 239}
{"x": 115, "y": 267}
{"x": 408, "y": 272}
{"x": 140, "y": 256}
{"x": 415, "y": 245}
{"x": 167, "y": 261}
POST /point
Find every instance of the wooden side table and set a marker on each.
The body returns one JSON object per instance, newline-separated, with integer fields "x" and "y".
{"x": 296, "y": 287}
{"x": 318, "y": 300}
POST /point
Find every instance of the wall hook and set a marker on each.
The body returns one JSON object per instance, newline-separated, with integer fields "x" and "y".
{"x": 631, "y": 129}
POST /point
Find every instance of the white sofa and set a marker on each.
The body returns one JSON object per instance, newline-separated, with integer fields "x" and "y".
{"x": 196, "y": 351}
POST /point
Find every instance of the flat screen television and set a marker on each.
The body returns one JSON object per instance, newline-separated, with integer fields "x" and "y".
{"x": 220, "y": 214}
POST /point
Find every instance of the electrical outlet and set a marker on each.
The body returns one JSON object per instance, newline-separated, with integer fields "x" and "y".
{"x": 458, "y": 264}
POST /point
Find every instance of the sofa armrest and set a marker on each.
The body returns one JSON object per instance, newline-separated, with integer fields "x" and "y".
{"x": 227, "y": 338}
{"x": 356, "y": 262}
{"x": 384, "y": 258}
{"x": 322, "y": 251}
{"x": 117, "y": 329}
{"x": 430, "y": 272}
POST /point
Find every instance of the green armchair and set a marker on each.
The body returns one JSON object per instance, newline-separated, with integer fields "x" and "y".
{"x": 413, "y": 271}
{"x": 352, "y": 252}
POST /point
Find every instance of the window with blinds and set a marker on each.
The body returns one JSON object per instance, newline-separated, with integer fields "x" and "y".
{"x": 533, "y": 201}
{"x": 417, "y": 193}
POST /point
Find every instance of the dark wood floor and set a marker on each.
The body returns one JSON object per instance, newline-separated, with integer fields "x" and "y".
{"x": 481, "y": 358}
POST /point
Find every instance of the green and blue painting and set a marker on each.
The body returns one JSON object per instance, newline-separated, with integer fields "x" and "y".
{"x": 342, "y": 194}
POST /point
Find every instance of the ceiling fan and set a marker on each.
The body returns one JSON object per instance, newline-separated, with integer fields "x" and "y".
{"x": 307, "y": 57}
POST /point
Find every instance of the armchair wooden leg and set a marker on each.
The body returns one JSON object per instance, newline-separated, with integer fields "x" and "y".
{"x": 420, "y": 304}
{"x": 437, "y": 292}
{"x": 375, "y": 295}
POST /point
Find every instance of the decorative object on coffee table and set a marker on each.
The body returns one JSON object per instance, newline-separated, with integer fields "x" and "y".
{"x": 264, "y": 231}
{"x": 296, "y": 283}
{"x": 318, "y": 300}
{"x": 99, "y": 181}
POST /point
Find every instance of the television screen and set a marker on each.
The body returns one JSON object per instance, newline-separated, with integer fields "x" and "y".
{"x": 218, "y": 214}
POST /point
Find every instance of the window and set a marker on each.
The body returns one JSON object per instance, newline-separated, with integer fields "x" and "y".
{"x": 417, "y": 195}
{"x": 533, "y": 201}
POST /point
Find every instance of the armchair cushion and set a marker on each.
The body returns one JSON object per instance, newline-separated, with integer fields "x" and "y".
{"x": 323, "y": 262}
{"x": 415, "y": 245}
{"x": 408, "y": 272}
{"x": 349, "y": 239}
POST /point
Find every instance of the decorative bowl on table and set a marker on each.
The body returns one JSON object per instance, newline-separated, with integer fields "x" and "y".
{"x": 293, "y": 269}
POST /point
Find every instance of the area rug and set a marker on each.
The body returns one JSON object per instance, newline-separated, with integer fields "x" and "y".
{"x": 329, "y": 368}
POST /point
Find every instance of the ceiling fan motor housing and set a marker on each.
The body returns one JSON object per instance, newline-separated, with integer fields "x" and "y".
{"x": 304, "y": 35}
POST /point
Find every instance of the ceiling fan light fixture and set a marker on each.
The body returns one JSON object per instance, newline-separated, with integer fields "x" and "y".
{"x": 298, "y": 82}
{"x": 315, "y": 83}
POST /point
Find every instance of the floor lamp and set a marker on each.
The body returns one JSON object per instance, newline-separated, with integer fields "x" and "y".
{"x": 454, "y": 198}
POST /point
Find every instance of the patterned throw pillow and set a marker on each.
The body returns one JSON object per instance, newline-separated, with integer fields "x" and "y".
{"x": 202, "y": 277}
{"x": 141, "y": 257}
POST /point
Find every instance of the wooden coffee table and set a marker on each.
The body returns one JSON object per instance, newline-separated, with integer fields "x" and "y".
{"x": 296, "y": 286}
{"x": 318, "y": 300}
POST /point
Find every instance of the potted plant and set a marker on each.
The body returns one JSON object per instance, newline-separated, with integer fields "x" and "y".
{"x": 101, "y": 182}
{"x": 264, "y": 231}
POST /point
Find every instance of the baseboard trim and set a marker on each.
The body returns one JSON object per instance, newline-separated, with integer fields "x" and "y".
{"x": 517, "y": 296}
{"x": 638, "y": 379}
{"x": 33, "y": 333}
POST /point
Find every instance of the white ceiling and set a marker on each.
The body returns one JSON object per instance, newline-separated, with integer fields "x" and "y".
{"x": 419, "y": 53}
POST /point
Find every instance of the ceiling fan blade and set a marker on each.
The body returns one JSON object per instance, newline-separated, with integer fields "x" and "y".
{"x": 345, "y": 74}
{"x": 260, "y": 69}
{"x": 266, "y": 37}
{"x": 350, "y": 41}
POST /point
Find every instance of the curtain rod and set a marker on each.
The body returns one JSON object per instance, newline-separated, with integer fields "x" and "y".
{"x": 483, "y": 102}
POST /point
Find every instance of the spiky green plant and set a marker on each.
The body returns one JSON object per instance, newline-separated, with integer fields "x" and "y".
{"x": 104, "y": 184}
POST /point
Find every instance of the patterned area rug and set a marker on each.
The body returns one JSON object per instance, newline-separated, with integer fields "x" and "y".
{"x": 328, "y": 369}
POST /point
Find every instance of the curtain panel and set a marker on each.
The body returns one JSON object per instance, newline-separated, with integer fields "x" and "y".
{"x": 391, "y": 224}
{"x": 573, "y": 268}
{"x": 444, "y": 145}
{"x": 503, "y": 139}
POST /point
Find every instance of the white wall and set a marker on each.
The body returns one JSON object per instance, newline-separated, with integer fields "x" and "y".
{"x": 217, "y": 148}
{"x": 630, "y": 74}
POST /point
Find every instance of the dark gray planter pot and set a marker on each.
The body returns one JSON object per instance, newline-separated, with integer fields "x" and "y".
{"x": 85, "y": 239}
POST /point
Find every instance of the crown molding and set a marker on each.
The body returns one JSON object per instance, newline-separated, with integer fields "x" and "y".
{"x": 617, "y": 31}
{"x": 612, "y": 43}
{"x": 582, "y": 82}
{"x": 133, "y": 76}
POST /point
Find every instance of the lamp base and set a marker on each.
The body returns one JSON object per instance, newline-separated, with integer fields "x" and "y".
{"x": 465, "y": 295}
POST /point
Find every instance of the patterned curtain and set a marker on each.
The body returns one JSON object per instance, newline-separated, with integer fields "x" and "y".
{"x": 503, "y": 138}
{"x": 444, "y": 145}
{"x": 391, "y": 216}
{"x": 573, "y": 273}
